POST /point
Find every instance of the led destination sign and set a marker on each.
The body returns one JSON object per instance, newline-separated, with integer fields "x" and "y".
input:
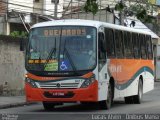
{"x": 65, "y": 32}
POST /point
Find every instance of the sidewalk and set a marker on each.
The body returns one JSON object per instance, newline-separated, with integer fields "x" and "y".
{"x": 12, "y": 101}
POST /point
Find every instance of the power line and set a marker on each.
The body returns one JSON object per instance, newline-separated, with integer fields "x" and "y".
{"x": 32, "y": 8}
{"x": 32, "y": 2}
{"x": 43, "y": 10}
{"x": 45, "y": 16}
{"x": 25, "y": 6}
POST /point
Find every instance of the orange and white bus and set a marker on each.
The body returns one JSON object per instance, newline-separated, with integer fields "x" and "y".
{"x": 87, "y": 61}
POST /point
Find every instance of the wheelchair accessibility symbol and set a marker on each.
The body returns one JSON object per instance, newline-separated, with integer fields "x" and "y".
{"x": 63, "y": 66}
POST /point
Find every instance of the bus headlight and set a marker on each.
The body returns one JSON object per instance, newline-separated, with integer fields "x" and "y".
{"x": 88, "y": 81}
{"x": 31, "y": 82}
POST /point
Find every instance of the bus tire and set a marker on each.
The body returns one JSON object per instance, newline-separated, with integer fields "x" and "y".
{"x": 106, "y": 104}
{"x": 87, "y": 103}
{"x": 128, "y": 100}
{"x": 48, "y": 105}
{"x": 138, "y": 98}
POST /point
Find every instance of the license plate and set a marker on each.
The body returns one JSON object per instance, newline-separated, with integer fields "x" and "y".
{"x": 58, "y": 94}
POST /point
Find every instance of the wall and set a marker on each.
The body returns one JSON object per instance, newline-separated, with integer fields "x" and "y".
{"x": 157, "y": 61}
{"x": 38, "y": 5}
{"x": 11, "y": 67}
{"x": 3, "y": 8}
{"x": 20, "y": 5}
{"x": 100, "y": 16}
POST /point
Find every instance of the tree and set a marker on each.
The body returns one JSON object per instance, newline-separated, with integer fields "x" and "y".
{"x": 91, "y": 6}
{"x": 142, "y": 9}
{"x": 21, "y": 34}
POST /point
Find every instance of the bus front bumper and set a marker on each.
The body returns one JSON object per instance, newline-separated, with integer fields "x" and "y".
{"x": 89, "y": 94}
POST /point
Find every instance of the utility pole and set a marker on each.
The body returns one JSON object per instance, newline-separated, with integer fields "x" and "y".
{"x": 7, "y": 26}
{"x": 55, "y": 8}
{"x": 121, "y": 15}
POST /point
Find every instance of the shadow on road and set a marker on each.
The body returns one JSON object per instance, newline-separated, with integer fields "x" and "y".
{"x": 81, "y": 107}
{"x": 94, "y": 107}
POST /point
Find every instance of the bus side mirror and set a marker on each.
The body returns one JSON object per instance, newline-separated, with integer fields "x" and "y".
{"x": 23, "y": 44}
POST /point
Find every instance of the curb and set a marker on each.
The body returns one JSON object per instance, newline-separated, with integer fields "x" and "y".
{"x": 15, "y": 105}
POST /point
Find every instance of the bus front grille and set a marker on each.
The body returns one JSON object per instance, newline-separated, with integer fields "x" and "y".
{"x": 53, "y": 85}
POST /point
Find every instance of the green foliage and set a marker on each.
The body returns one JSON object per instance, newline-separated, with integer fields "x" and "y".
{"x": 21, "y": 34}
{"x": 91, "y": 6}
{"x": 141, "y": 9}
{"x": 143, "y": 12}
{"x": 119, "y": 6}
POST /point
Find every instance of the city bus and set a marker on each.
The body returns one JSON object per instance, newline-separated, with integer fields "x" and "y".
{"x": 87, "y": 61}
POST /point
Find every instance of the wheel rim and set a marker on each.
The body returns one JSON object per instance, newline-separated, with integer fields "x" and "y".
{"x": 140, "y": 91}
{"x": 109, "y": 97}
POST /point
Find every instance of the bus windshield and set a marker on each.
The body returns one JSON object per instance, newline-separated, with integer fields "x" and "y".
{"x": 61, "y": 49}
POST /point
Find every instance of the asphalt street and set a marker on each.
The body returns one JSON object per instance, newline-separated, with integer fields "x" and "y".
{"x": 76, "y": 111}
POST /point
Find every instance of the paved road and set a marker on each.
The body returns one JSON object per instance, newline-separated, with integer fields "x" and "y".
{"x": 150, "y": 105}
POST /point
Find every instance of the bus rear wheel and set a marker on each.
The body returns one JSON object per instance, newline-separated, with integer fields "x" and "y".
{"x": 138, "y": 98}
{"x": 48, "y": 105}
{"x": 106, "y": 104}
{"x": 129, "y": 100}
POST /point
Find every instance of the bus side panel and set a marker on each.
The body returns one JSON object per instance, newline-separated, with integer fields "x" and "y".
{"x": 131, "y": 90}
{"x": 148, "y": 82}
{"x": 103, "y": 82}
{"x": 127, "y": 74}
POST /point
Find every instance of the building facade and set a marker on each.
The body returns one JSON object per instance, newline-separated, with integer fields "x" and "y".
{"x": 12, "y": 12}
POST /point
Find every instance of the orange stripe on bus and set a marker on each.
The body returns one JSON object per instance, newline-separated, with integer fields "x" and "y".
{"x": 122, "y": 70}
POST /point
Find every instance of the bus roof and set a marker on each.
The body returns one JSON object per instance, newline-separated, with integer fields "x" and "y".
{"x": 92, "y": 23}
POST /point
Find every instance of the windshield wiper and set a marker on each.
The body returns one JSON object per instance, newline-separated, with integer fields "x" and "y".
{"x": 69, "y": 57}
{"x": 53, "y": 50}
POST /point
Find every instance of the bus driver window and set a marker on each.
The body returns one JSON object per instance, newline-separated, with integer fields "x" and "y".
{"x": 101, "y": 50}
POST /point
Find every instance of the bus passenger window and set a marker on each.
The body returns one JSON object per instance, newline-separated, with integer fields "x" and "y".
{"x": 143, "y": 47}
{"x": 128, "y": 45}
{"x": 109, "y": 36}
{"x": 136, "y": 45}
{"x": 149, "y": 47}
{"x": 119, "y": 43}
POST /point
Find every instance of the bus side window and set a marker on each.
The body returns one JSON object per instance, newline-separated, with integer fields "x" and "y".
{"x": 136, "y": 45}
{"x": 109, "y": 36}
{"x": 143, "y": 47}
{"x": 101, "y": 47}
{"x": 119, "y": 43}
{"x": 149, "y": 47}
{"x": 101, "y": 51}
{"x": 128, "y": 45}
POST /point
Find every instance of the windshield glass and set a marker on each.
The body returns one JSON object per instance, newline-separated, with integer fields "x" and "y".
{"x": 61, "y": 49}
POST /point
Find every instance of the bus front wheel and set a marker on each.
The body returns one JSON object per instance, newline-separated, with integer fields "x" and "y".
{"x": 48, "y": 105}
{"x": 106, "y": 104}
